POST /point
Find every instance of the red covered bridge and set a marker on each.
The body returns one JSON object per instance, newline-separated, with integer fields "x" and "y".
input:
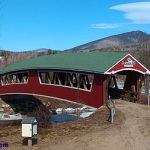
{"x": 85, "y": 78}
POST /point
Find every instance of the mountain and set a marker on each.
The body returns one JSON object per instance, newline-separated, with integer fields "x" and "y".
{"x": 135, "y": 42}
{"x": 123, "y": 39}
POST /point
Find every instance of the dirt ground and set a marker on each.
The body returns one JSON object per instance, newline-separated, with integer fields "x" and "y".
{"x": 130, "y": 131}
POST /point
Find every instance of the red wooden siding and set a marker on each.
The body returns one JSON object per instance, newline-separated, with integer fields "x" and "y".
{"x": 128, "y": 63}
{"x": 92, "y": 98}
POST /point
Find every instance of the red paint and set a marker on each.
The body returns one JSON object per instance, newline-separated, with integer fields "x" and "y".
{"x": 128, "y": 63}
{"x": 92, "y": 98}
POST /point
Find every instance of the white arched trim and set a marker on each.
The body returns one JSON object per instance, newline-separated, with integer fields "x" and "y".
{"x": 48, "y": 97}
{"x": 113, "y": 72}
{"x": 126, "y": 69}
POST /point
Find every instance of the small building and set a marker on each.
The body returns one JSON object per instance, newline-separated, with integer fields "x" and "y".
{"x": 29, "y": 127}
{"x": 83, "y": 78}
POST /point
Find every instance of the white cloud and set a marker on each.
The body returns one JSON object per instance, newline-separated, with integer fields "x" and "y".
{"x": 138, "y": 13}
{"x": 105, "y": 26}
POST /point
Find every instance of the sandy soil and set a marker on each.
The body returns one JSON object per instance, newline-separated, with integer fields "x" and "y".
{"x": 130, "y": 131}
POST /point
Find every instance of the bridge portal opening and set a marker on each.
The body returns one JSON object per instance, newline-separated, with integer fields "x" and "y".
{"x": 126, "y": 85}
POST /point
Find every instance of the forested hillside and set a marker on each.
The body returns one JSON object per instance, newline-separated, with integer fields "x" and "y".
{"x": 141, "y": 51}
{"x": 9, "y": 57}
{"x": 123, "y": 39}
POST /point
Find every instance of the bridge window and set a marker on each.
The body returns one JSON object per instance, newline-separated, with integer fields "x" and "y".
{"x": 15, "y": 78}
{"x": 67, "y": 79}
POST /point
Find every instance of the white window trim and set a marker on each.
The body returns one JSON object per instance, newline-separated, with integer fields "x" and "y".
{"x": 64, "y": 85}
{"x": 15, "y": 83}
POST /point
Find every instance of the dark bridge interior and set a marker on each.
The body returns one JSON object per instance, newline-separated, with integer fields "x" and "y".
{"x": 130, "y": 87}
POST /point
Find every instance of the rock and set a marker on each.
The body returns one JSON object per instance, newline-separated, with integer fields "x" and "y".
{"x": 11, "y": 109}
{"x": 1, "y": 109}
{"x": 5, "y": 105}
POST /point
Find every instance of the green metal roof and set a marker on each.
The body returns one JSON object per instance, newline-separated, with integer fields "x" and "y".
{"x": 97, "y": 62}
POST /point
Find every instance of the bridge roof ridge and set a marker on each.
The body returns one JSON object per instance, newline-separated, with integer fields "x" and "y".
{"x": 95, "y": 62}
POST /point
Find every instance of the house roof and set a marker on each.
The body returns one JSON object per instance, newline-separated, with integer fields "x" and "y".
{"x": 29, "y": 120}
{"x": 95, "y": 62}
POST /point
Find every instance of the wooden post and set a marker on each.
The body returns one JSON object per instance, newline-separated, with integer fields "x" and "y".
{"x": 30, "y": 143}
{"x": 139, "y": 86}
{"x": 147, "y": 80}
{"x": 148, "y": 99}
{"x": 105, "y": 88}
{"x": 104, "y": 91}
{"x": 112, "y": 115}
{"x": 115, "y": 81}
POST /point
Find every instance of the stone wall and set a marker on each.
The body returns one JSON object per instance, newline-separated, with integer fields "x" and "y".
{"x": 5, "y": 108}
{"x": 23, "y": 104}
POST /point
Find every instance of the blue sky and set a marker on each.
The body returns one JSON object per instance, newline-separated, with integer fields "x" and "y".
{"x": 64, "y": 24}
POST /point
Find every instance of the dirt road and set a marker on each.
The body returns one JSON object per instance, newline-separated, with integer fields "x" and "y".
{"x": 131, "y": 131}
